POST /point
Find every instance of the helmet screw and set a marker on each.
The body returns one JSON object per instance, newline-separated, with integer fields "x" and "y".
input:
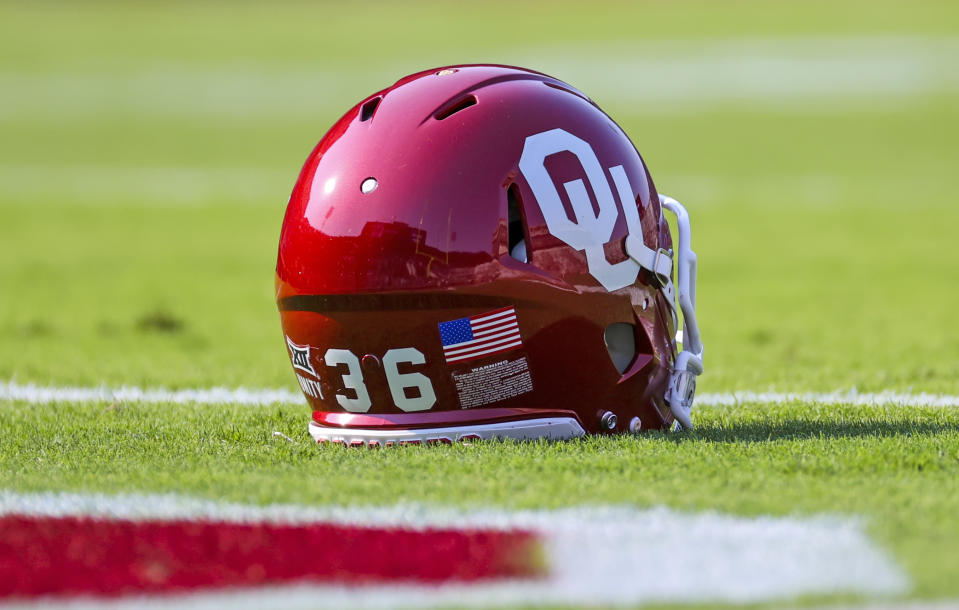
{"x": 608, "y": 420}
{"x": 635, "y": 425}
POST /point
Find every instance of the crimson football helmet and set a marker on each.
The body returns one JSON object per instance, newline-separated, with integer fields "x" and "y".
{"x": 479, "y": 251}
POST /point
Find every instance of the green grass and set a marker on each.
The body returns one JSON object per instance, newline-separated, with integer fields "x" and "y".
{"x": 148, "y": 151}
{"x": 898, "y": 468}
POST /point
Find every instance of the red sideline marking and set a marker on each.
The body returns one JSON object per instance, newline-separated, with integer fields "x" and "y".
{"x": 71, "y": 555}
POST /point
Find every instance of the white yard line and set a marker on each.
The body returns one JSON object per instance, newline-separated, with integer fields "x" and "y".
{"x": 665, "y": 76}
{"x": 594, "y": 555}
{"x": 49, "y": 394}
{"x": 37, "y": 394}
{"x": 845, "y": 397}
{"x": 947, "y": 604}
{"x": 684, "y": 75}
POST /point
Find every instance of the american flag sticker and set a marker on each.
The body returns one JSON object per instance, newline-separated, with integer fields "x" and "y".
{"x": 480, "y": 335}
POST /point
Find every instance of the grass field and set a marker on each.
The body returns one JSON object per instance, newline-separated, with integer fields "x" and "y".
{"x": 148, "y": 151}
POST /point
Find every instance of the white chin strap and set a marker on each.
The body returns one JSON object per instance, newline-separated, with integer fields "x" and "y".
{"x": 689, "y": 362}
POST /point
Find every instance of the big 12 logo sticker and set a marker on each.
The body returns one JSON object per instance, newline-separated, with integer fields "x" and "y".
{"x": 590, "y": 231}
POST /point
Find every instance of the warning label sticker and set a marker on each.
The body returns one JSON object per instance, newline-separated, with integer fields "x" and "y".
{"x": 493, "y": 382}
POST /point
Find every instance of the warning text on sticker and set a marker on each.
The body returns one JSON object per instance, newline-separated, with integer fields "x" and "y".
{"x": 493, "y": 382}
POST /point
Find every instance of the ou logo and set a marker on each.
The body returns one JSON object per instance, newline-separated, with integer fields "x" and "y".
{"x": 590, "y": 231}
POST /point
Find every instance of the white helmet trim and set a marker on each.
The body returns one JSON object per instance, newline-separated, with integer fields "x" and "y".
{"x": 555, "y": 428}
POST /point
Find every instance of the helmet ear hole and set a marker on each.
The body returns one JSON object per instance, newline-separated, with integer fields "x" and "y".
{"x": 621, "y": 344}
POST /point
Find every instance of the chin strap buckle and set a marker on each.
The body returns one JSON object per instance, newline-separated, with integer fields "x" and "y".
{"x": 689, "y": 362}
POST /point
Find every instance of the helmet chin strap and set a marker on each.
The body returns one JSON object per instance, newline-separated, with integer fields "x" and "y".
{"x": 689, "y": 362}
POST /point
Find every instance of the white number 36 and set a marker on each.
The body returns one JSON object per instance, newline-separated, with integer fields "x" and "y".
{"x": 424, "y": 396}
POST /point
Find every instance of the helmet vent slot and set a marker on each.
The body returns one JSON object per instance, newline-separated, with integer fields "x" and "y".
{"x": 518, "y": 246}
{"x": 452, "y": 109}
{"x": 367, "y": 110}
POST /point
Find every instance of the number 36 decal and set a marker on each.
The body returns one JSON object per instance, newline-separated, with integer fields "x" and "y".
{"x": 398, "y": 382}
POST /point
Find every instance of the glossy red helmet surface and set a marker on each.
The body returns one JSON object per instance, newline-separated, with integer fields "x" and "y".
{"x": 478, "y": 251}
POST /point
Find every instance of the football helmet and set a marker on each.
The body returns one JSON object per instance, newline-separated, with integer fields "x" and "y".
{"x": 479, "y": 251}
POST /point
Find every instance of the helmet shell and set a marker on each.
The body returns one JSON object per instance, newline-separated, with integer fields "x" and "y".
{"x": 399, "y": 226}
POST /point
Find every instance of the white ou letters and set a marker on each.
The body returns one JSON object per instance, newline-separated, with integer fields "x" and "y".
{"x": 398, "y": 382}
{"x": 590, "y": 231}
